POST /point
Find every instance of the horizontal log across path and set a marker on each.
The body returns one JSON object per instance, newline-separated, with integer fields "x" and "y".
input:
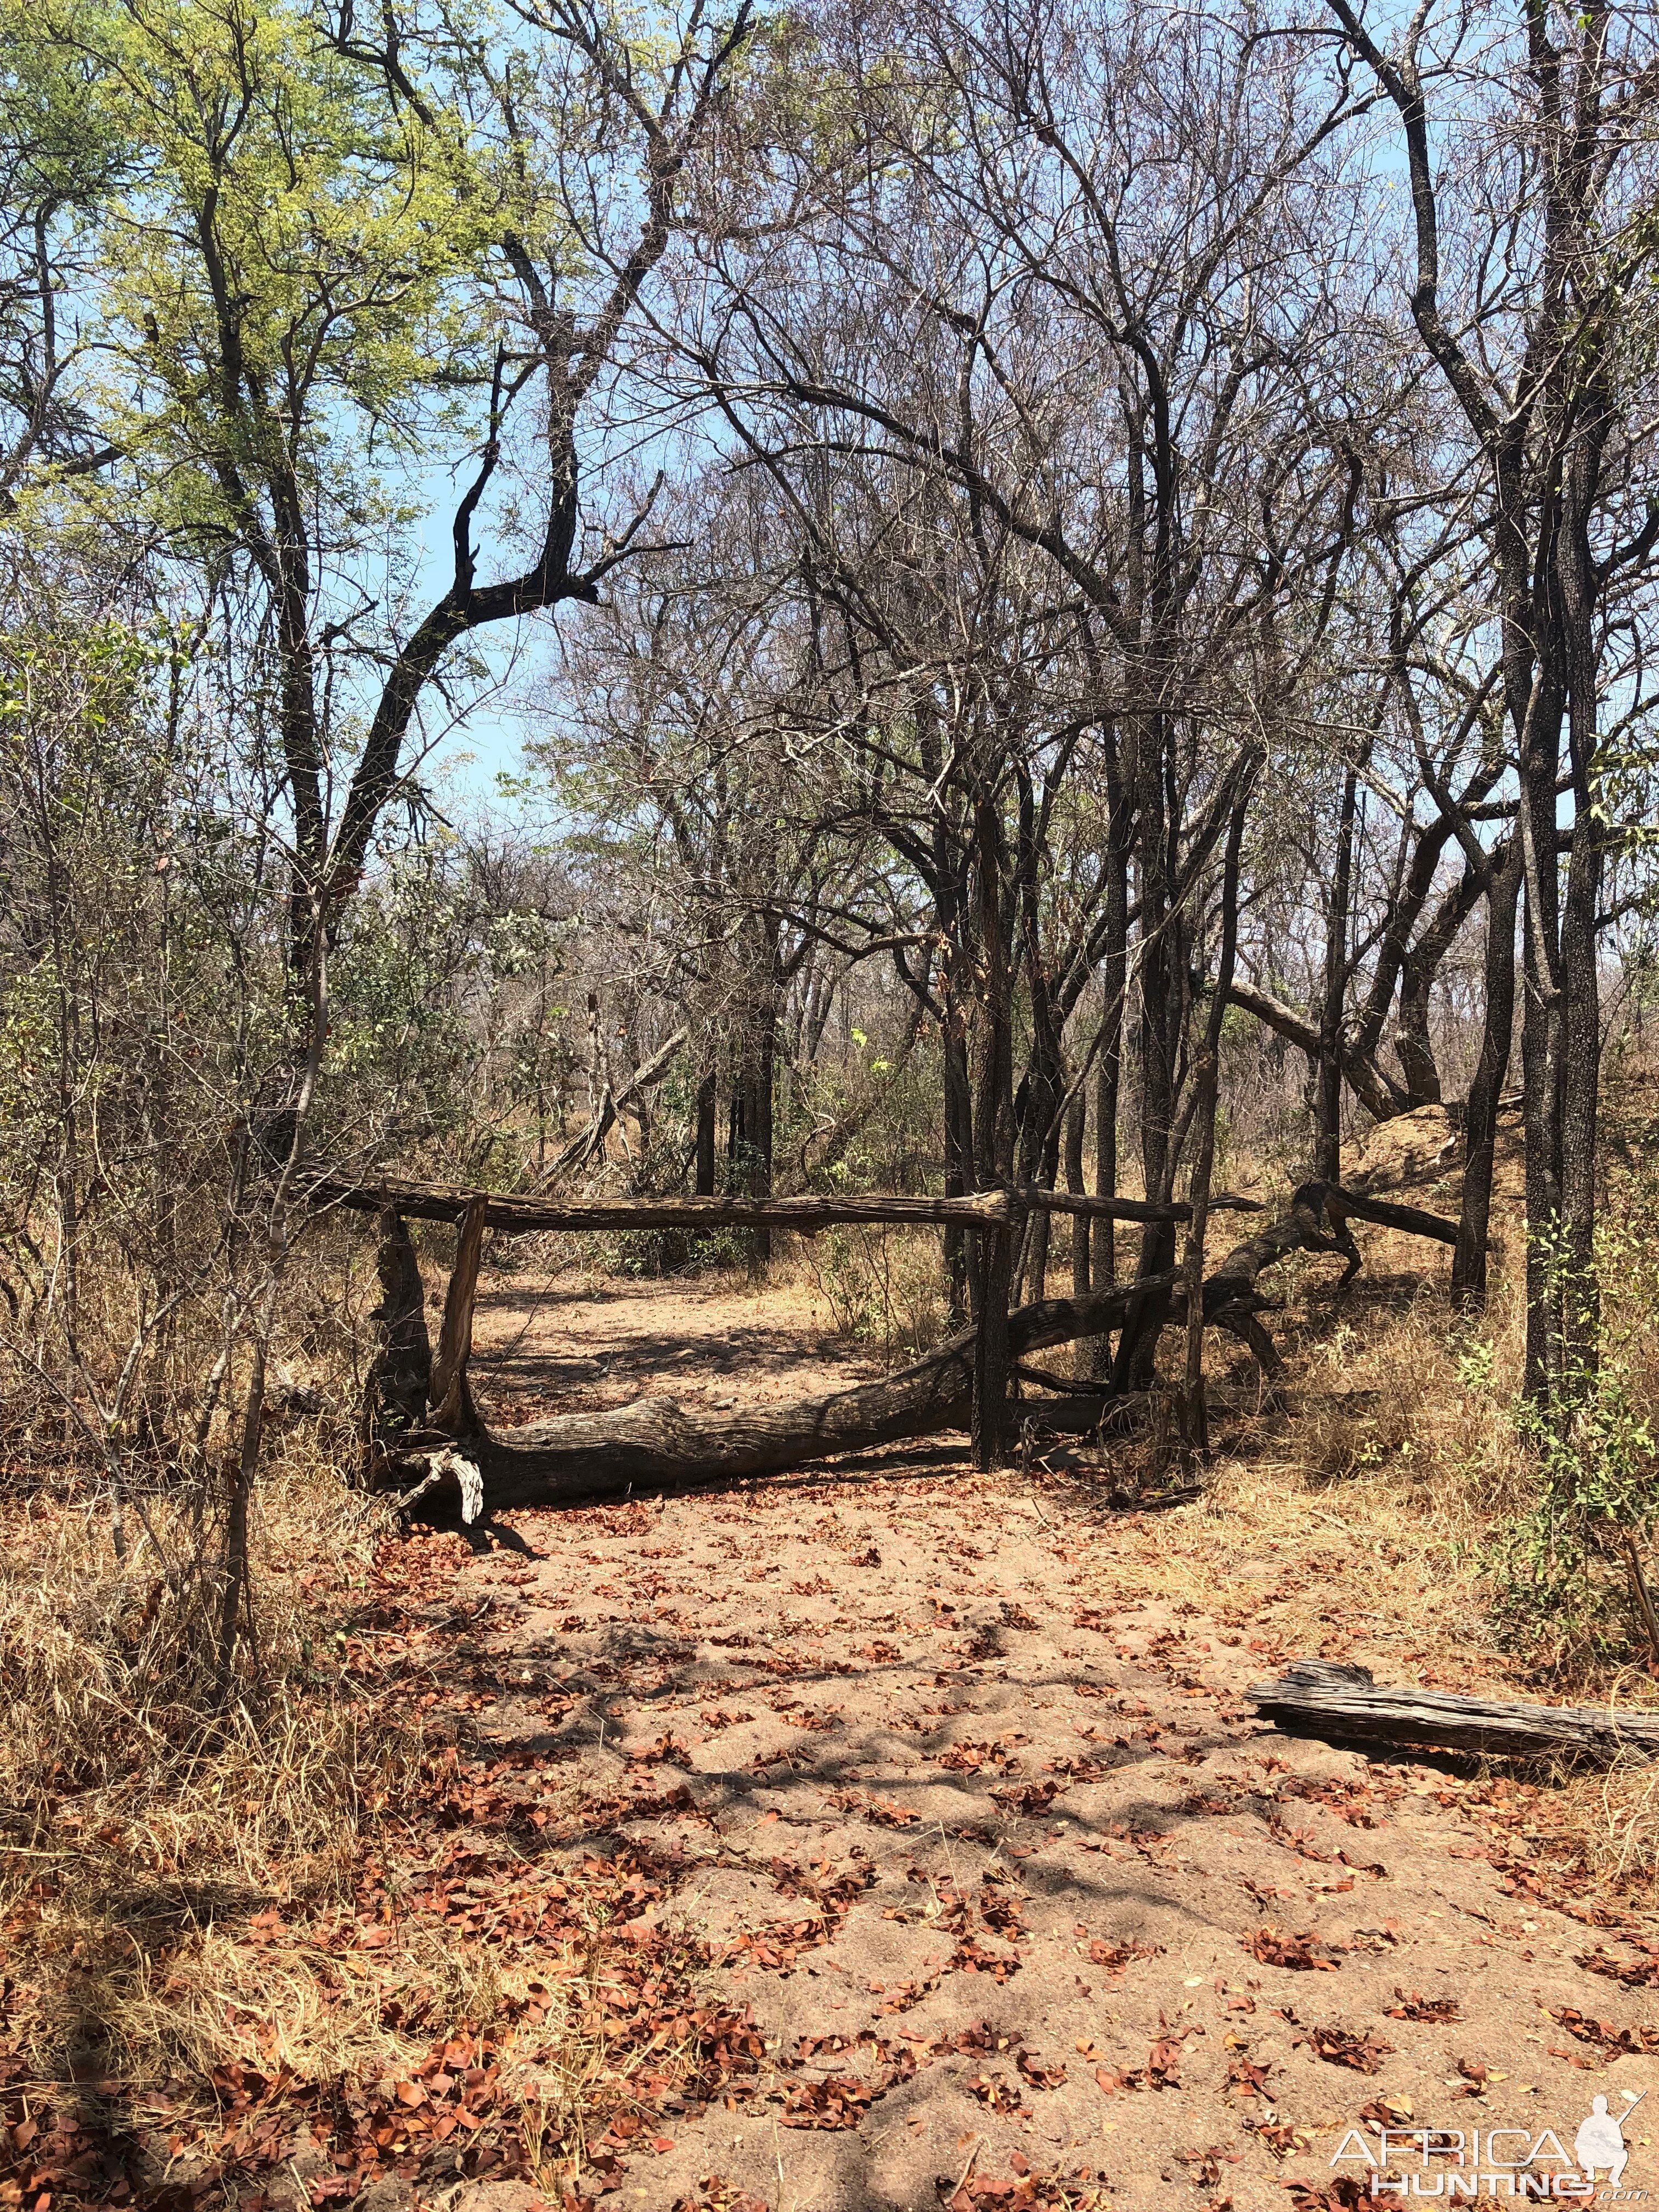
{"x": 1329, "y": 1697}
{"x": 580, "y": 1455}
{"x": 993, "y": 1209}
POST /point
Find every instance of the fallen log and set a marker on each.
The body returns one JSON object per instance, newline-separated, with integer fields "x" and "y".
{"x": 1326, "y": 1698}
{"x": 1317, "y": 1221}
{"x": 578, "y": 1456}
{"x": 513, "y": 1211}
{"x": 429, "y": 1201}
{"x": 1415, "y": 1220}
{"x": 1128, "y": 1209}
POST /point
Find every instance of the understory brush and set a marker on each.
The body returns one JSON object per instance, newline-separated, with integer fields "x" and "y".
{"x": 143, "y": 1809}
{"x": 885, "y": 1286}
{"x": 1571, "y": 1576}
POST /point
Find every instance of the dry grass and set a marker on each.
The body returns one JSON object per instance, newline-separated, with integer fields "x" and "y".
{"x": 1613, "y": 1821}
{"x": 184, "y": 1890}
{"x": 1384, "y": 1461}
{"x": 139, "y": 1820}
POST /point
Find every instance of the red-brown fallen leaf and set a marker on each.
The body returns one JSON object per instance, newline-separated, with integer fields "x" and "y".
{"x": 1117, "y": 1957}
{"x": 716, "y": 2194}
{"x": 1302, "y": 1953}
{"x": 1633, "y": 2042}
{"x": 1026, "y": 1798}
{"x": 1635, "y": 1973}
{"x": 1415, "y": 2006}
{"x": 972, "y": 1957}
{"x": 1339, "y": 2046}
{"x": 1204, "y": 2166}
{"x": 1026, "y": 2191}
{"x": 1345, "y": 2194}
{"x": 998, "y": 2096}
{"x": 840, "y": 2102}
{"x": 1280, "y": 2138}
{"x": 1387, "y": 2113}
{"x": 1163, "y": 2069}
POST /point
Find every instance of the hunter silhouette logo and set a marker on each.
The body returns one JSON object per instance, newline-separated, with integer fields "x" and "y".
{"x": 1600, "y": 2141}
{"x": 1513, "y": 2162}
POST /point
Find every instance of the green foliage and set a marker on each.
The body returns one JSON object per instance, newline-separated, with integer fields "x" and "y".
{"x": 1566, "y": 1574}
{"x": 278, "y": 265}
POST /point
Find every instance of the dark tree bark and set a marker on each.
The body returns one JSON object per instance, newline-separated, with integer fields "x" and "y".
{"x": 707, "y": 1109}
{"x": 1208, "y": 1086}
{"x": 993, "y": 1125}
{"x": 1480, "y": 1115}
{"x": 1076, "y": 1116}
{"x": 399, "y": 1384}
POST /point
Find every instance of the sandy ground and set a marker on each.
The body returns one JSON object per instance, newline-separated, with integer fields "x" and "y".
{"x": 964, "y": 1800}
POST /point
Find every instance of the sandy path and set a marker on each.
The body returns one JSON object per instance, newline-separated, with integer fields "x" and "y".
{"x": 962, "y": 1796}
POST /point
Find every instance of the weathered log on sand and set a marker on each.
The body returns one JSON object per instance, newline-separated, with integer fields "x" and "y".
{"x": 1320, "y": 1697}
{"x": 585, "y": 1455}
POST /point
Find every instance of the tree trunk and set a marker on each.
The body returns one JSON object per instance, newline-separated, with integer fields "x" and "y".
{"x": 1076, "y": 1117}
{"x": 707, "y": 1118}
{"x": 1468, "y": 1279}
{"x": 1160, "y": 1027}
{"x": 1541, "y": 1044}
{"x": 399, "y": 1379}
{"x": 1208, "y": 1080}
{"x": 1103, "y": 1249}
{"x": 993, "y": 1130}
{"x": 1327, "y": 1083}
{"x": 958, "y": 1152}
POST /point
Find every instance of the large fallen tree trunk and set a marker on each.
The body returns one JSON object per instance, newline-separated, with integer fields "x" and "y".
{"x": 517, "y": 1215}
{"x": 577, "y": 1457}
{"x": 1322, "y": 1697}
{"x": 584, "y": 1456}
